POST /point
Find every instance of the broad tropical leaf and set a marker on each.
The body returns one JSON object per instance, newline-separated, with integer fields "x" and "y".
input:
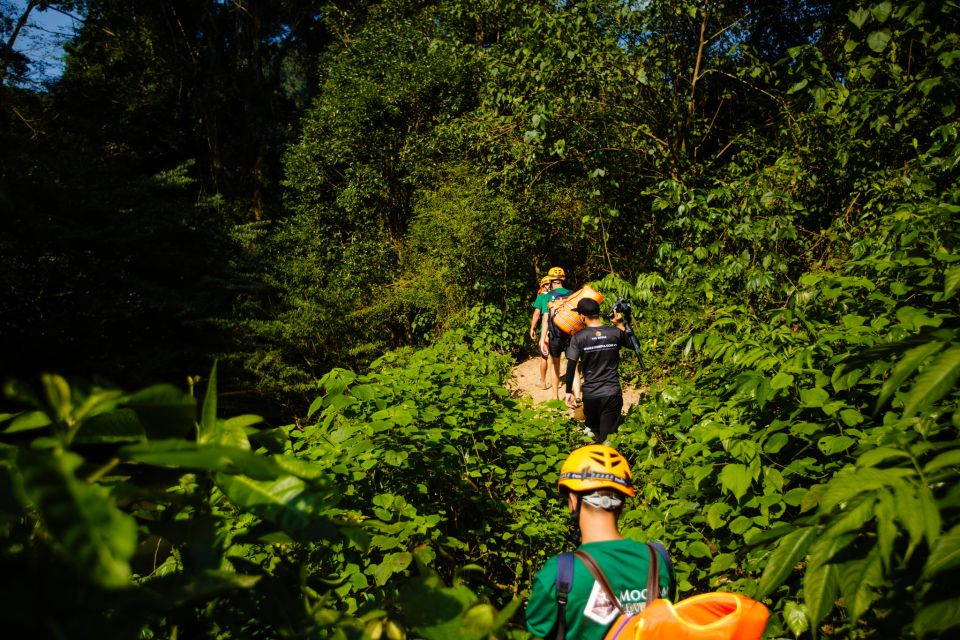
{"x": 934, "y": 382}
{"x": 791, "y": 548}
{"x": 904, "y": 368}
{"x": 92, "y": 533}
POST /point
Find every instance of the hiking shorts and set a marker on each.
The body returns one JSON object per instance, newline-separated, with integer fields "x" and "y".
{"x": 602, "y": 415}
{"x": 558, "y": 344}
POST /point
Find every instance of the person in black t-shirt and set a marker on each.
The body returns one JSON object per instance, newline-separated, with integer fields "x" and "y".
{"x": 597, "y": 347}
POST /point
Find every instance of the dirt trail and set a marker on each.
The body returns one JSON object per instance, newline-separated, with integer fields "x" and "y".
{"x": 526, "y": 378}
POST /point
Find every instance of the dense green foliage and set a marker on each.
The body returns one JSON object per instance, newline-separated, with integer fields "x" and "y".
{"x": 348, "y": 205}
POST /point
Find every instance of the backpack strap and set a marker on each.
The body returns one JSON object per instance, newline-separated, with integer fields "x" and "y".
{"x": 554, "y": 332}
{"x": 564, "y": 583}
{"x": 600, "y": 577}
{"x": 665, "y": 555}
{"x": 653, "y": 576}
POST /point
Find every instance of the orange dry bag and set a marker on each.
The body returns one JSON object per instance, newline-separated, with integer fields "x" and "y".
{"x": 563, "y": 312}
{"x": 708, "y": 616}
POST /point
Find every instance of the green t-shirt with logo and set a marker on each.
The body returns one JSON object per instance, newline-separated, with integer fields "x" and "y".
{"x": 589, "y": 611}
{"x": 543, "y": 300}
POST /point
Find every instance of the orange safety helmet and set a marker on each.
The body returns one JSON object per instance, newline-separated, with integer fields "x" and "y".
{"x": 596, "y": 466}
{"x": 557, "y": 273}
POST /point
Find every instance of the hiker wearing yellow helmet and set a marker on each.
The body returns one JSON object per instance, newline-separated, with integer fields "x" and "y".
{"x": 566, "y": 600}
{"x": 553, "y": 342}
{"x": 539, "y": 309}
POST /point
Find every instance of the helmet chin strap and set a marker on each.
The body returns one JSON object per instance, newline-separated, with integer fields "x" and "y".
{"x": 575, "y": 520}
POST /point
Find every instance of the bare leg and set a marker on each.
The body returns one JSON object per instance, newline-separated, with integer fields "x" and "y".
{"x": 543, "y": 372}
{"x": 555, "y": 376}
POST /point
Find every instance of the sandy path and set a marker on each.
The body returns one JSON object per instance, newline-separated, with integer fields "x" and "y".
{"x": 526, "y": 377}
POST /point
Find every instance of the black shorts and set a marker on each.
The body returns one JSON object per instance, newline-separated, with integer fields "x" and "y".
{"x": 558, "y": 344}
{"x": 602, "y": 415}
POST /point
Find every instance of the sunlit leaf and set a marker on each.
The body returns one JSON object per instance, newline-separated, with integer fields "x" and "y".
{"x": 208, "y": 428}
{"x": 795, "y": 615}
{"x": 28, "y": 421}
{"x": 392, "y": 563}
{"x": 949, "y": 458}
{"x": 858, "y": 17}
{"x": 287, "y": 502}
{"x": 736, "y": 479}
{"x": 57, "y": 393}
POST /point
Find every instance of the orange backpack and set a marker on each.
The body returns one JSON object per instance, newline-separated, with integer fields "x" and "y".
{"x": 708, "y": 616}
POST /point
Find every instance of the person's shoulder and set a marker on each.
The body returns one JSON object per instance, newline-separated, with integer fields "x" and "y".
{"x": 549, "y": 567}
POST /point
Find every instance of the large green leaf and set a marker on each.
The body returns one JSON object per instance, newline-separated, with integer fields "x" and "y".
{"x": 392, "y": 563}
{"x": 951, "y": 281}
{"x": 208, "y": 457}
{"x": 946, "y": 459}
{"x": 939, "y": 616}
{"x": 851, "y": 482}
{"x": 795, "y": 615}
{"x": 175, "y": 589}
{"x": 164, "y": 411}
{"x": 736, "y": 479}
{"x": 121, "y": 425}
{"x": 208, "y": 429}
{"x": 820, "y": 587}
{"x": 27, "y": 421}
{"x": 93, "y": 534}
{"x": 288, "y": 502}
{"x": 904, "y": 368}
{"x": 859, "y": 580}
{"x": 934, "y": 382}
{"x": 945, "y": 554}
{"x": 791, "y": 548}
{"x": 437, "y": 612}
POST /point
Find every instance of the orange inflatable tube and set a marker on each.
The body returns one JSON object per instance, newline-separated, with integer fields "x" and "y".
{"x": 565, "y": 315}
{"x": 709, "y": 616}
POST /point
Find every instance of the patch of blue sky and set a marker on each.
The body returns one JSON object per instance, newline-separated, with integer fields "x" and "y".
{"x": 41, "y": 40}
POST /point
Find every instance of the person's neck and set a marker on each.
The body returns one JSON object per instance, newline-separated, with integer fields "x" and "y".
{"x": 593, "y": 322}
{"x": 598, "y": 526}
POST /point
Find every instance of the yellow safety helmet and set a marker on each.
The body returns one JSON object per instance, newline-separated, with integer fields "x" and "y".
{"x": 545, "y": 280}
{"x": 596, "y": 466}
{"x": 557, "y": 273}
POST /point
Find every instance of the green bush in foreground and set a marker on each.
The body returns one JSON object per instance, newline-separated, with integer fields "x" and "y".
{"x": 419, "y": 500}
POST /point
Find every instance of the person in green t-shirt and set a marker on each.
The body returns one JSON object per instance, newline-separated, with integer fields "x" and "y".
{"x": 554, "y": 342}
{"x": 595, "y": 480}
{"x": 540, "y": 308}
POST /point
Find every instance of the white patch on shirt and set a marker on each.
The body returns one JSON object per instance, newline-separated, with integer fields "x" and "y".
{"x": 599, "y": 608}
